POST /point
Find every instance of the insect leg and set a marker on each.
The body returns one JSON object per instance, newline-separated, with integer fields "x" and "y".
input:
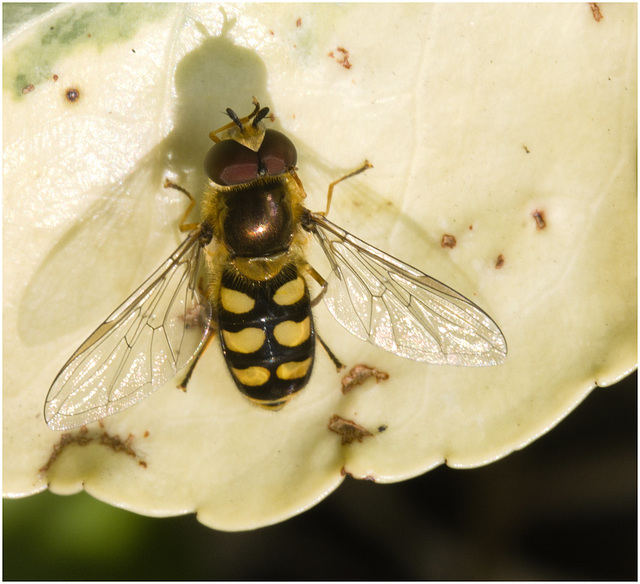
{"x": 339, "y": 364}
{"x": 212, "y": 333}
{"x": 192, "y": 203}
{"x": 183, "y": 384}
{"x": 366, "y": 164}
{"x": 323, "y": 284}
{"x": 318, "y": 278}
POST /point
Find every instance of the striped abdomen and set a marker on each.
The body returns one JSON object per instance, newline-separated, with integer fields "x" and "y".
{"x": 267, "y": 336}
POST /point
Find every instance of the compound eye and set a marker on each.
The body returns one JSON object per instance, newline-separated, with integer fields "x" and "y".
{"x": 230, "y": 163}
{"x": 277, "y": 153}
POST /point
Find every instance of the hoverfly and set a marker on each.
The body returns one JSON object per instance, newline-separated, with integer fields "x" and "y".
{"x": 251, "y": 288}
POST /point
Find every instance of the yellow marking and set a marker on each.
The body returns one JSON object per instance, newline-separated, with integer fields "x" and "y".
{"x": 293, "y": 369}
{"x": 261, "y": 269}
{"x": 291, "y": 334}
{"x": 252, "y": 376}
{"x": 290, "y": 292}
{"x": 236, "y": 302}
{"x": 272, "y": 406}
{"x": 247, "y": 340}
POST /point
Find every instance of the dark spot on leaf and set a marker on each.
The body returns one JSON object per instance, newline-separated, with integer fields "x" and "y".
{"x": 448, "y": 241}
{"x": 72, "y": 95}
{"x": 28, "y": 88}
{"x": 539, "y": 219}
{"x": 499, "y": 261}
{"x": 299, "y": 22}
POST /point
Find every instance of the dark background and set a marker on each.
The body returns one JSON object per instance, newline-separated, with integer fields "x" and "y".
{"x": 565, "y": 507}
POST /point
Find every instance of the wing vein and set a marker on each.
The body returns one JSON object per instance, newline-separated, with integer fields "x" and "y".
{"x": 399, "y": 308}
{"x": 139, "y": 347}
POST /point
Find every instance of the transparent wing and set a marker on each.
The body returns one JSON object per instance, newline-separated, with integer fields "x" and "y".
{"x": 142, "y": 345}
{"x": 400, "y": 309}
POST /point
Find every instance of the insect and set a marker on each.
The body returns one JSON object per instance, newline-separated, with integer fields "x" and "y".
{"x": 241, "y": 272}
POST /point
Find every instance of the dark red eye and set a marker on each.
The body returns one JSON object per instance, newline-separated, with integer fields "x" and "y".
{"x": 230, "y": 163}
{"x": 277, "y": 153}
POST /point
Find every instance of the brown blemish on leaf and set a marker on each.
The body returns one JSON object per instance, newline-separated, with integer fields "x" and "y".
{"x": 499, "y": 261}
{"x": 538, "y": 216}
{"x": 348, "y": 430}
{"x": 55, "y": 77}
{"x": 595, "y": 9}
{"x": 72, "y": 95}
{"x": 343, "y": 58}
{"x": 448, "y": 241}
{"x": 299, "y": 22}
{"x": 359, "y": 374}
{"x": 526, "y": 149}
{"x": 345, "y": 473}
{"x": 382, "y": 428}
{"x": 82, "y": 438}
{"x": 117, "y": 444}
{"x": 28, "y": 88}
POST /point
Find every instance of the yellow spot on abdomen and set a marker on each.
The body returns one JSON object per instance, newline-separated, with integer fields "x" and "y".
{"x": 245, "y": 341}
{"x": 290, "y": 292}
{"x": 236, "y": 302}
{"x": 293, "y": 369}
{"x": 273, "y": 406}
{"x": 252, "y": 376}
{"x": 292, "y": 334}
